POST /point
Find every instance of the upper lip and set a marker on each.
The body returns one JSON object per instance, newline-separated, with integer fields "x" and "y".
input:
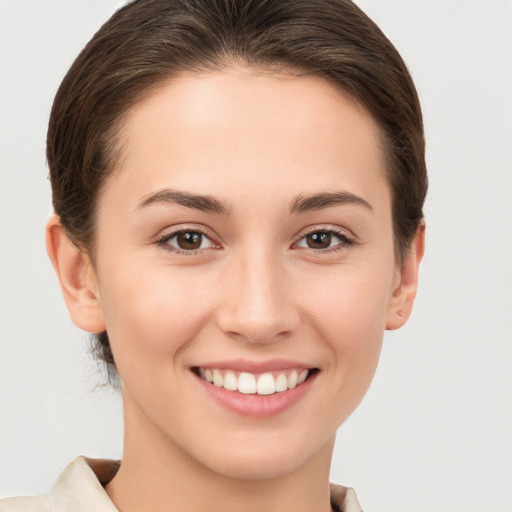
{"x": 244, "y": 365}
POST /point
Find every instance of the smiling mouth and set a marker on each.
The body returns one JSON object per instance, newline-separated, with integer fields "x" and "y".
{"x": 267, "y": 383}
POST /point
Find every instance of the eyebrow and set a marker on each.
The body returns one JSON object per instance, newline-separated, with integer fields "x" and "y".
{"x": 303, "y": 204}
{"x": 208, "y": 204}
{"x": 204, "y": 203}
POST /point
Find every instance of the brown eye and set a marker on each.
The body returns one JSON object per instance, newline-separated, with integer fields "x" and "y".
{"x": 319, "y": 240}
{"x": 188, "y": 241}
{"x": 325, "y": 240}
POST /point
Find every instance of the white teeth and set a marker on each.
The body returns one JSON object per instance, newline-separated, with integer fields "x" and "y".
{"x": 302, "y": 376}
{"x": 246, "y": 383}
{"x": 266, "y": 384}
{"x": 230, "y": 381}
{"x": 292, "y": 379}
{"x": 281, "y": 383}
{"x": 218, "y": 379}
{"x": 249, "y": 384}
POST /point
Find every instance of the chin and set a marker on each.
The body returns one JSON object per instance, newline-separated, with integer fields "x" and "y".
{"x": 264, "y": 467}
{"x": 264, "y": 459}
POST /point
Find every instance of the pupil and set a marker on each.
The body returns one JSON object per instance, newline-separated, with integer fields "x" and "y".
{"x": 189, "y": 240}
{"x": 320, "y": 240}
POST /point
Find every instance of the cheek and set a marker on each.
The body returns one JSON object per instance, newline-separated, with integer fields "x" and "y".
{"x": 151, "y": 313}
{"x": 350, "y": 316}
{"x": 354, "y": 298}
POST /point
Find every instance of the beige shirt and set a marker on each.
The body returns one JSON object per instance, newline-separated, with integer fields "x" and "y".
{"x": 80, "y": 489}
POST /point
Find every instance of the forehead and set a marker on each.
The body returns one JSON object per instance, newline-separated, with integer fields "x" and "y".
{"x": 258, "y": 131}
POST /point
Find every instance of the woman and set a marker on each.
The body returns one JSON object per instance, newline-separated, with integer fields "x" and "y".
{"x": 238, "y": 191}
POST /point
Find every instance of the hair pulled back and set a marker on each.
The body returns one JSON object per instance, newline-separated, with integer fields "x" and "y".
{"x": 147, "y": 42}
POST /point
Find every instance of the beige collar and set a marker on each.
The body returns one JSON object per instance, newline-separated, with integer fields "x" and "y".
{"x": 80, "y": 488}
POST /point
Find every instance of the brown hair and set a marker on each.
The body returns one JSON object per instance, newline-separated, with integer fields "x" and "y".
{"x": 148, "y": 42}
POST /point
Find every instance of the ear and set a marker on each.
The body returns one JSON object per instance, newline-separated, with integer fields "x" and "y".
{"x": 76, "y": 276}
{"x": 405, "y": 283}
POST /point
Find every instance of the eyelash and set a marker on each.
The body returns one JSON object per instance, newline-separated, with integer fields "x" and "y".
{"x": 345, "y": 241}
{"x": 164, "y": 240}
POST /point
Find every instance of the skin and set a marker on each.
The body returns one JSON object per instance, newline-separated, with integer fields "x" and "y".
{"x": 255, "y": 142}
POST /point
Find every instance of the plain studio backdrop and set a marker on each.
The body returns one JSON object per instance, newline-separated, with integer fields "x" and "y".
{"x": 434, "y": 433}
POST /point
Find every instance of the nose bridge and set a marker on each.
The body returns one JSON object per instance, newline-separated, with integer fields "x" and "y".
{"x": 257, "y": 305}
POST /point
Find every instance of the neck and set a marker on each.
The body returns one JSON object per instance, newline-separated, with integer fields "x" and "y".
{"x": 156, "y": 475}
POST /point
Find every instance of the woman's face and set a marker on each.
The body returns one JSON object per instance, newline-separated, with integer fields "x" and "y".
{"x": 245, "y": 237}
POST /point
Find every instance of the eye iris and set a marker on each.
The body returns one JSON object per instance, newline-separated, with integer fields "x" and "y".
{"x": 319, "y": 240}
{"x": 189, "y": 240}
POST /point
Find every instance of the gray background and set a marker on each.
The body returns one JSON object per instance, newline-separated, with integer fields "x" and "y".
{"x": 435, "y": 431}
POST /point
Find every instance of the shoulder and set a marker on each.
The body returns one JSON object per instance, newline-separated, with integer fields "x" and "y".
{"x": 25, "y": 504}
{"x": 78, "y": 488}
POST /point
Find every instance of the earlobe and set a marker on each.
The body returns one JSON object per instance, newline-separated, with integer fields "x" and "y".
{"x": 406, "y": 285}
{"x": 76, "y": 276}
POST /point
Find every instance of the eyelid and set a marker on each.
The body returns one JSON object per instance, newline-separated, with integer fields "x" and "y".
{"x": 348, "y": 239}
{"x": 168, "y": 233}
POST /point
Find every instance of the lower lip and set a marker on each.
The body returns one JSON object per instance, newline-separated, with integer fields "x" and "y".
{"x": 254, "y": 405}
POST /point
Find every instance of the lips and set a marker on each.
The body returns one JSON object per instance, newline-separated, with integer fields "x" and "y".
{"x": 266, "y": 383}
{"x": 257, "y": 389}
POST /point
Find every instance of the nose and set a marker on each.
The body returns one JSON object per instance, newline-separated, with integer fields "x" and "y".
{"x": 257, "y": 303}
